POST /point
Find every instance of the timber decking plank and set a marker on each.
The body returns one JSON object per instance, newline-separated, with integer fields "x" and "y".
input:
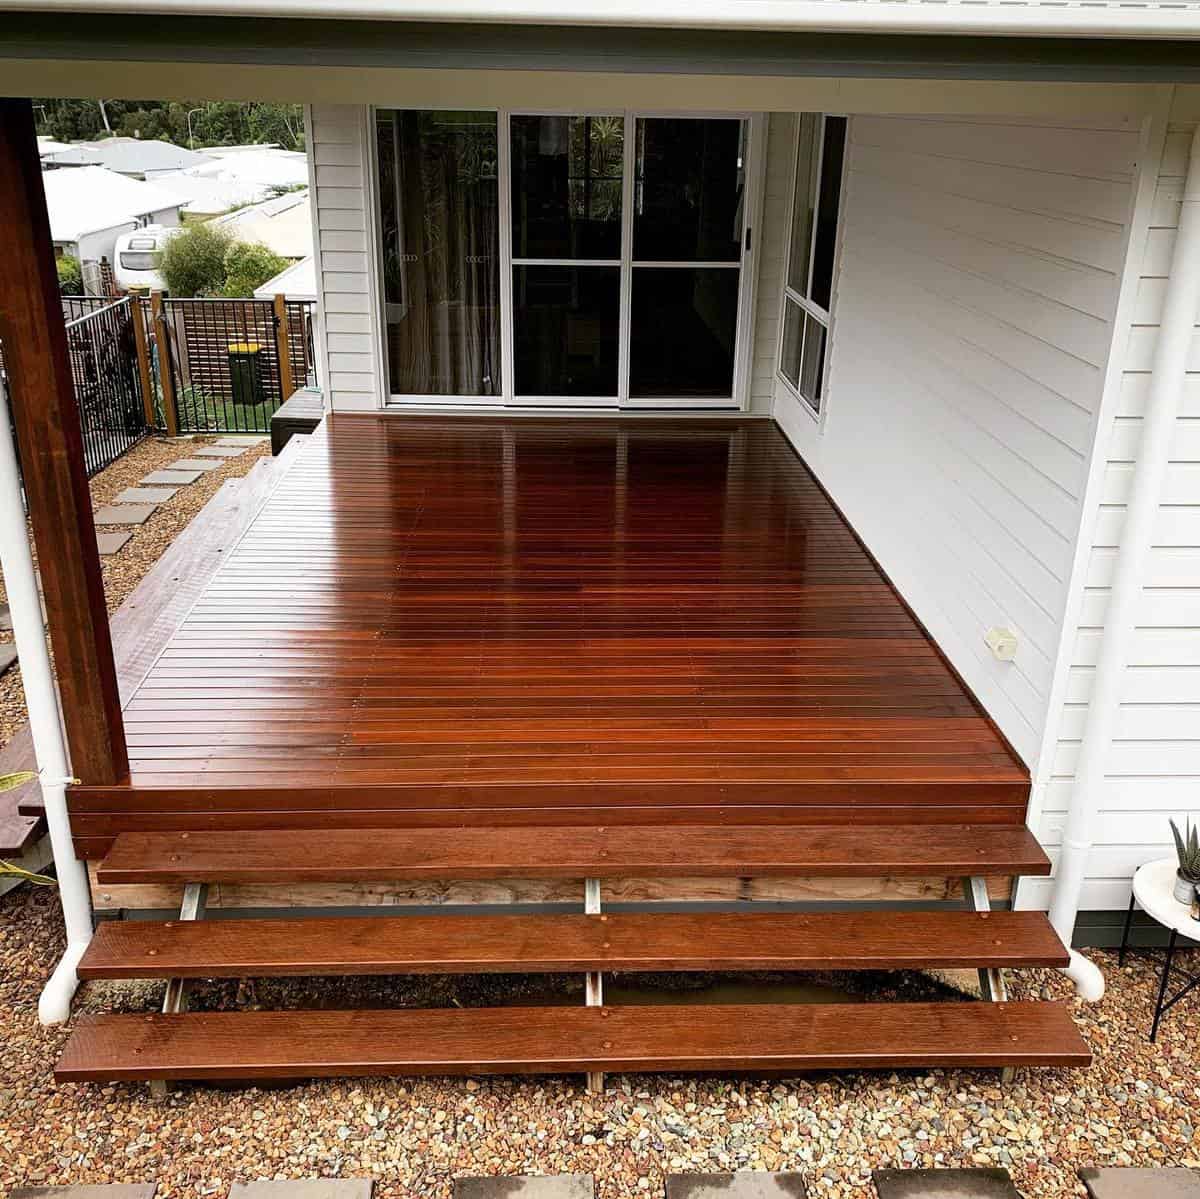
{"x": 336, "y": 855}
{"x": 757, "y": 1037}
{"x": 569, "y": 943}
{"x": 414, "y": 571}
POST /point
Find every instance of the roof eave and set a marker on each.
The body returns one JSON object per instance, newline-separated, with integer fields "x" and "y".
{"x": 980, "y": 18}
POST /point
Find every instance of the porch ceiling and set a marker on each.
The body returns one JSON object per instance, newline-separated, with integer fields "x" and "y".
{"x": 447, "y": 621}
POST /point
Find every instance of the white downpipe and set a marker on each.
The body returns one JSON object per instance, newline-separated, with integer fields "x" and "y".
{"x": 1180, "y": 309}
{"x": 49, "y": 745}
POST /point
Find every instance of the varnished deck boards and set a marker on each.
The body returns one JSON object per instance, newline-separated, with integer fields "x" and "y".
{"x": 527, "y": 621}
{"x": 244, "y": 1045}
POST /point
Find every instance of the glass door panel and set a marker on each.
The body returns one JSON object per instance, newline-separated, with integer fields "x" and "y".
{"x": 689, "y": 184}
{"x": 439, "y": 218}
{"x": 688, "y": 229}
{"x": 566, "y": 204}
{"x": 683, "y": 328}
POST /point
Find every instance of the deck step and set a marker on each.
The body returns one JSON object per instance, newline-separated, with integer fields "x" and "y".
{"x": 557, "y": 1040}
{"x": 389, "y": 855}
{"x": 546, "y": 944}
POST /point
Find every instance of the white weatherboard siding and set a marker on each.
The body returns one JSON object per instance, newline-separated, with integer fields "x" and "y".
{"x": 980, "y": 269}
{"x": 1153, "y": 769}
{"x": 350, "y": 338}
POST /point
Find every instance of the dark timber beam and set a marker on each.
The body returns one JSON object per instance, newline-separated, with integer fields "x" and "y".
{"x": 51, "y": 448}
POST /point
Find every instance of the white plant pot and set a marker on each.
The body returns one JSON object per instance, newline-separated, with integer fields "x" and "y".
{"x": 1183, "y": 889}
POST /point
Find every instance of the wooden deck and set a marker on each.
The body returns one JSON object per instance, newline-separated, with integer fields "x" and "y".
{"x": 445, "y": 621}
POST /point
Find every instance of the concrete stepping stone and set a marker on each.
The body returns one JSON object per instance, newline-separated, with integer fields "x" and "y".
{"x": 8, "y": 655}
{"x": 5, "y": 617}
{"x": 197, "y": 464}
{"x": 109, "y": 543}
{"x": 171, "y": 478}
{"x": 309, "y": 1188}
{"x": 1131, "y": 1182}
{"x": 553, "y": 1186}
{"x": 124, "y": 514}
{"x": 146, "y": 495}
{"x": 945, "y": 1184}
{"x": 125, "y": 1190}
{"x": 746, "y": 1184}
{"x": 220, "y": 451}
{"x": 245, "y": 441}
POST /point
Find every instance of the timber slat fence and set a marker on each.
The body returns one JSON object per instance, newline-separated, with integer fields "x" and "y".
{"x": 232, "y": 362}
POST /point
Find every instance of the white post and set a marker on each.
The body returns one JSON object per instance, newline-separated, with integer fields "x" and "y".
{"x": 1180, "y": 308}
{"x": 49, "y": 744}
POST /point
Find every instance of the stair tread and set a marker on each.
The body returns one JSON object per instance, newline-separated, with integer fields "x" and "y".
{"x": 543, "y": 944}
{"x": 755, "y": 1037}
{"x": 389, "y": 855}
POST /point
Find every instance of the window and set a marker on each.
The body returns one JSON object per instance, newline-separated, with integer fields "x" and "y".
{"x": 439, "y": 215}
{"x": 808, "y": 289}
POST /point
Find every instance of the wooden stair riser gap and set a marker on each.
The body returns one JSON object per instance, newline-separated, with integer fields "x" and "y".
{"x": 147, "y": 897}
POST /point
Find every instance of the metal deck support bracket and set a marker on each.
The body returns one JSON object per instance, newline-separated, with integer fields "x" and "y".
{"x": 195, "y": 898}
{"x": 594, "y": 981}
{"x": 991, "y": 981}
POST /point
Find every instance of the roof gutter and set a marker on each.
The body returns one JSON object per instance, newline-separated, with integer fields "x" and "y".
{"x": 1037, "y": 18}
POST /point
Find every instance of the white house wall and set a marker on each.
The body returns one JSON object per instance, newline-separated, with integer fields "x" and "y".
{"x": 980, "y": 268}
{"x": 350, "y": 339}
{"x": 1153, "y": 768}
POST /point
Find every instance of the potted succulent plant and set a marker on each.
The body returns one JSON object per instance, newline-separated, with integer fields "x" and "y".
{"x": 10, "y": 782}
{"x": 1187, "y": 876}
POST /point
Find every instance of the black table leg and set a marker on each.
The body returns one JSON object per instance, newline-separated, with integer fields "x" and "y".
{"x": 1162, "y": 986}
{"x": 1125, "y": 934}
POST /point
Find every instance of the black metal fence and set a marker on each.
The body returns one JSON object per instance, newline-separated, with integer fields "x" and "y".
{"x": 224, "y": 360}
{"x": 108, "y": 391}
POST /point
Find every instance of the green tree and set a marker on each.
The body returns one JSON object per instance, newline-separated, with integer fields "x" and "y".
{"x": 249, "y": 265}
{"x": 70, "y": 276}
{"x": 193, "y": 261}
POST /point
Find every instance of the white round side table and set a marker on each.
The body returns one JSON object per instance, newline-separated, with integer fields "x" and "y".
{"x": 1153, "y": 890}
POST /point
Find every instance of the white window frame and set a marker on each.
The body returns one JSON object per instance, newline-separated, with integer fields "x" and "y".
{"x": 824, "y": 317}
{"x": 737, "y": 404}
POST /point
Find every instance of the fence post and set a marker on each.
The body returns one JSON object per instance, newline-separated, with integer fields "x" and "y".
{"x": 165, "y": 378}
{"x": 143, "y": 360}
{"x": 283, "y": 346}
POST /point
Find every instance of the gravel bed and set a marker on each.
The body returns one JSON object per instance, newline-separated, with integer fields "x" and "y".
{"x": 126, "y": 568}
{"x": 1136, "y": 1106}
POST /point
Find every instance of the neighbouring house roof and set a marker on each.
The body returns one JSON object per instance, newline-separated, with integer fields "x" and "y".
{"x": 283, "y": 224}
{"x": 208, "y": 194}
{"x": 128, "y": 156}
{"x": 47, "y": 145}
{"x": 1078, "y": 18}
{"x": 265, "y": 166}
{"x": 297, "y": 282}
{"x": 87, "y": 199}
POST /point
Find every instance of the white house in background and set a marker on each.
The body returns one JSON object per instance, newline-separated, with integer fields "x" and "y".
{"x": 297, "y": 282}
{"x": 213, "y": 195}
{"x": 267, "y": 166}
{"x": 133, "y": 156}
{"x": 282, "y": 224}
{"x": 90, "y": 207}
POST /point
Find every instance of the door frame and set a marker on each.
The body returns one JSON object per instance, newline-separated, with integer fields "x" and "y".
{"x": 507, "y": 400}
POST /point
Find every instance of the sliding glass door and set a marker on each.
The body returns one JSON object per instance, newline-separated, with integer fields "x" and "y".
{"x": 565, "y": 259}
{"x": 688, "y": 225}
{"x": 565, "y": 200}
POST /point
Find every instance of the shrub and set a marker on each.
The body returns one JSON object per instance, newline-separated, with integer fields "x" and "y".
{"x": 70, "y": 276}
{"x": 249, "y": 265}
{"x": 193, "y": 261}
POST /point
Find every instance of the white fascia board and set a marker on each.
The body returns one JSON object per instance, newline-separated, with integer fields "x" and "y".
{"x": 1045, "y": 18}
